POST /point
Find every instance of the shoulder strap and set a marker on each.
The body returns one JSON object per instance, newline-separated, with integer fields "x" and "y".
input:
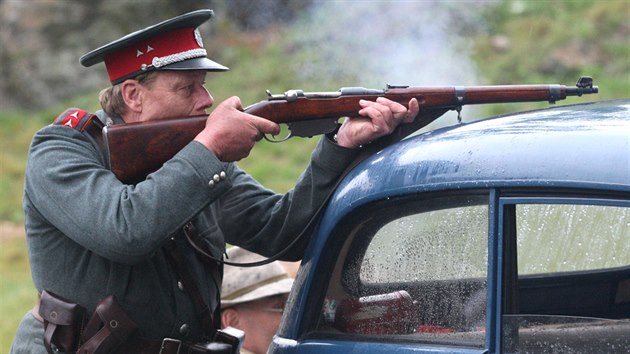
{"x": 204, "y": 313}
{"x": 216, "y": 268}
{"x": 75, "y": 118}
{"x": 82, "y": 120}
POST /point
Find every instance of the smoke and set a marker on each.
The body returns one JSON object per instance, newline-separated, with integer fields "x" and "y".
{"x": 374, "y": 43}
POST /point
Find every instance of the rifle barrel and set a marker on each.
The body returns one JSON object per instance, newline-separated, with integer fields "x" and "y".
{"x": 579, "y": 91}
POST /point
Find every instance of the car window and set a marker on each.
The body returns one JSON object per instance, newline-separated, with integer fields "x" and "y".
{"x": 568, "y": 237}
{"x": 567, "y": 275}
{"x": 443, "y": 244}
{"x": 415, "y": 271}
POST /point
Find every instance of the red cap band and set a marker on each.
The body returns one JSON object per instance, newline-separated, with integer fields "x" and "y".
{"x": 158, "y": 51}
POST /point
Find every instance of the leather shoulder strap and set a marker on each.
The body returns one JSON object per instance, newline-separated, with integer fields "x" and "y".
{"x": 178, "y": 263}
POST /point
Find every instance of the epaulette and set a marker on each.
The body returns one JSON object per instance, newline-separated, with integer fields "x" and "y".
{"x": 74, "y": 118}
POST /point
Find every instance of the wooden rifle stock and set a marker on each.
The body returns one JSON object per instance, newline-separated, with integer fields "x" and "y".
{"x": 134, "y": 150}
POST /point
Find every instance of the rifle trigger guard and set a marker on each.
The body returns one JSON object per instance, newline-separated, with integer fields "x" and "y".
{"x": 272, "y": 138}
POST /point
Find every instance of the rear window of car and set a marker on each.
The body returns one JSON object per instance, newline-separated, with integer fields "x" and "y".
{"x": 416, "y": 270}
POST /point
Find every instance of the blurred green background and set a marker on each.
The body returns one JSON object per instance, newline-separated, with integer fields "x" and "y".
{"x": 280, "y": 45}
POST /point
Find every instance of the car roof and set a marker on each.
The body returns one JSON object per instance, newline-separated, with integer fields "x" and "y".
{"x": 573, "y": 146}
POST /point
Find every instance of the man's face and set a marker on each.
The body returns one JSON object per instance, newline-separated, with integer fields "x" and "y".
{"x": 259, "y": 320}
{"x": 175, "y": 94}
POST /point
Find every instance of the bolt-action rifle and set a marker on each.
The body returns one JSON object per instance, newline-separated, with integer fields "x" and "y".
{"x": 134, "y": 150}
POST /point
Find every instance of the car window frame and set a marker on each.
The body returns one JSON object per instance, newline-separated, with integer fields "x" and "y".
{"x": 342, "y": 239}
{"x": 504, "y": 275}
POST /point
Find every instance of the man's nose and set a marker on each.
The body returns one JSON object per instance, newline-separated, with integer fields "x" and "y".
{"x": 206, "y": 100}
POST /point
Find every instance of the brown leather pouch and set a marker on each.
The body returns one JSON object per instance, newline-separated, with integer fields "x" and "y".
{"x": 63, "y": 322}
{"x": 107, "y": 329}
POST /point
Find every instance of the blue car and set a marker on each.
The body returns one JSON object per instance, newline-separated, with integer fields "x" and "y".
{"x": 505, "y": 235}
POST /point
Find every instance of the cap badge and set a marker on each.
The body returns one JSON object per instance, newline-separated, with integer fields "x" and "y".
{"x": 139, "y": 52}
{"x": 198, "y": 38}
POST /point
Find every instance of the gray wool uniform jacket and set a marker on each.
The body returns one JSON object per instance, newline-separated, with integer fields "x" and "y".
{"x": 90, "y": 236}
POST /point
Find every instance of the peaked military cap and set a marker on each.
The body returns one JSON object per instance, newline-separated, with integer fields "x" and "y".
{"x": 174, "y": 44}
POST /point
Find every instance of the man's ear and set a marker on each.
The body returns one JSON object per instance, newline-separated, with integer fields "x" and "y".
{"x": 229, "y": 317}
{"x": 132, "y": 94}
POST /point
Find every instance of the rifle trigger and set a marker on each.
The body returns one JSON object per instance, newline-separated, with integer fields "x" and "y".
{"x": 458, "y": 109}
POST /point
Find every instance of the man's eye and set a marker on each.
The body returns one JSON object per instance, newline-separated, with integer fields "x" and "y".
{"x": 188, "y": 89}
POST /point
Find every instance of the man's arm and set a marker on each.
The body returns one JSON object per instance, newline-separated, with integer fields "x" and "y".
{"x": 72, "y": 189}
{"x": 256, "y": 218}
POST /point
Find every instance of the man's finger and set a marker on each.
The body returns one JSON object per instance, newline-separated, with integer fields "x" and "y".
{"x": 399, "y": 111}
{"x": 265, "y": 126}
{"x": 414, "y": 109}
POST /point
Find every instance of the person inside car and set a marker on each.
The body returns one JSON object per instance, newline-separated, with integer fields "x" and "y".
{"x": 253, "y": 299}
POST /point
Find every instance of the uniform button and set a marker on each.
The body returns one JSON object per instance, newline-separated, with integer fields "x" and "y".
{"x": 222, "y": 175}
{"x": 184, "y": 330}
{"x": 211, "y": 184}
{"x": 180, "y": 285}
{"x": 216, "y": 178}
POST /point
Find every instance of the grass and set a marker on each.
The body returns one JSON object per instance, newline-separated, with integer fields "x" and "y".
{"x": 15, "y": 133}
{"x": 16, "y": 288}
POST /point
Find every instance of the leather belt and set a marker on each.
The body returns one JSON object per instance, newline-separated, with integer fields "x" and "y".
{"x": 146, "y": 346}
{"x": 164, "y": 346}
{"x": 172, "y": 346}
{"x": 35, "y": 309}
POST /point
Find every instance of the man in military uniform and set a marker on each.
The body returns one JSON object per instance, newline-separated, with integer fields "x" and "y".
{"x": 91, "y": 237}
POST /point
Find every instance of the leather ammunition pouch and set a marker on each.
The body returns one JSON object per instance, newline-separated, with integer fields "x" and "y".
{"x": 65, "y": 327}
{"x": 108, "y": 328}
{"x": 63, "y": 322}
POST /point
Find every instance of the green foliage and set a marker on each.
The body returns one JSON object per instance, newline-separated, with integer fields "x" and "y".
{"x": 556, "y": 42}
{"x": 16, "y": 288}
{"x": 15, "y": 134}
{"x": 16, "y": 131}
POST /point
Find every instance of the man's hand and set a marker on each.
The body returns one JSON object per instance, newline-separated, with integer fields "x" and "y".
{"x": 231, "y": 134}
{"x": 375, "y": 119}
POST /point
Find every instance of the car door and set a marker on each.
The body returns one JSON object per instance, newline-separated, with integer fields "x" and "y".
{"x": 479, "y": 271}
{"x": 565, "y": 274}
